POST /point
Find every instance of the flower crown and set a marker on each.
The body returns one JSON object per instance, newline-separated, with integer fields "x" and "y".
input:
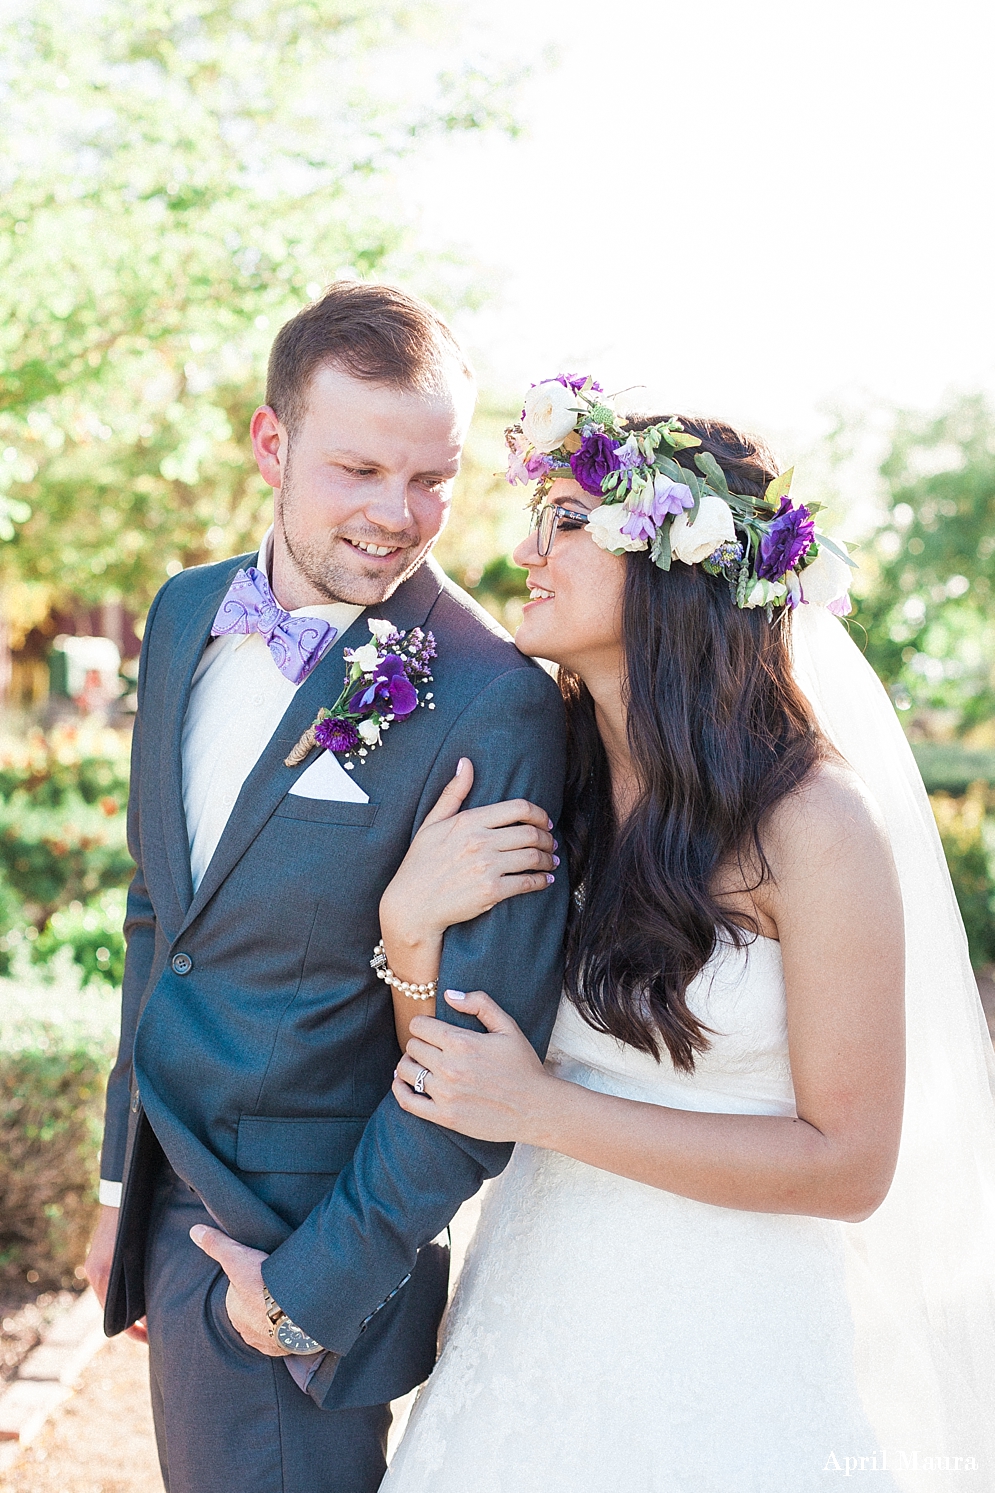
{"x": 768, "y": 549}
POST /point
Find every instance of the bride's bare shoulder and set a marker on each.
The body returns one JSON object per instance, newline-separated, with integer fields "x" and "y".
{"x": 831, "y": 818}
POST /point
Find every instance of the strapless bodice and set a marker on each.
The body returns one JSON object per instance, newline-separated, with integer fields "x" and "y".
{"x": 740, "y": 996}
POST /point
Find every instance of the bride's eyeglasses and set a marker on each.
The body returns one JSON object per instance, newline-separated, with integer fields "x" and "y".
{"x": 552, "y": 517}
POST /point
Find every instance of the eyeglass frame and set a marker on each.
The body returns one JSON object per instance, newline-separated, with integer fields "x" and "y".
{"x": 559, "y": 514}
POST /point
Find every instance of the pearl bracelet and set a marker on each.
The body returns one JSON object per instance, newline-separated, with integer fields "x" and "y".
{"x": 425, "y": 992}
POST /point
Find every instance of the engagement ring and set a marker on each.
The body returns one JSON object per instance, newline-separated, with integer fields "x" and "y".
{"x": 419, "y": 1083}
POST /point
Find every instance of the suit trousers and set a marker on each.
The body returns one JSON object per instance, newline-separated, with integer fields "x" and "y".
{"x": 227, "y": 1418}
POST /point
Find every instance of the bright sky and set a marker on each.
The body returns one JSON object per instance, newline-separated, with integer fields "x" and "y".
{"x": 754, "y": 209}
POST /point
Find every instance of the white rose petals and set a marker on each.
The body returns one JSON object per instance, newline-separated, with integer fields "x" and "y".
{"x": 604, "y": 525}
{"x": 550, "y": 414}
{"x": 694, "y": 542}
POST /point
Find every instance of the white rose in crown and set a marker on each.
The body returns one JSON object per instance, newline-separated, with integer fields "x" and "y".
{"x": 827, "y": 579}
{"x": 604, "y": 525}
{"x": 549, "y": 414}
{"x": 694, "y": 542}
{"x": 766, "y": 592}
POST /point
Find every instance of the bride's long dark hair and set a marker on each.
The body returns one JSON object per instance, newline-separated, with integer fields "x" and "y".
{"x": 719, "y": 733}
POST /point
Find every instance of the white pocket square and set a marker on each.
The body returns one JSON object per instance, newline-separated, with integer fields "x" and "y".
{"x": 327, "y": 778}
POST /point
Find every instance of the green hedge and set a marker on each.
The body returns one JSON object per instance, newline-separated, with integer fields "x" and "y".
{"x": 64, "y": 859}
{"x": 51, "y": 1102}
{"x": 51, "y": 857}
{"x": 63, "y": 867}
{"x": 948, "y": 767}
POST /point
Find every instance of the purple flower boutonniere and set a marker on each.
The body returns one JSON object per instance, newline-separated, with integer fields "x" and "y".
{"x": 381, "y": 687}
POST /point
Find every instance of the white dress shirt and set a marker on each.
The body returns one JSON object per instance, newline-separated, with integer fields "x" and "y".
{"x": 237, "y": 701}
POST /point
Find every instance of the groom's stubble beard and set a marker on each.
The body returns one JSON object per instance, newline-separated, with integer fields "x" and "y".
{"x": 316, "y": 560}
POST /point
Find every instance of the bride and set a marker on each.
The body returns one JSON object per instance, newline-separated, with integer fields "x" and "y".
{"x": 688, "y": 1279}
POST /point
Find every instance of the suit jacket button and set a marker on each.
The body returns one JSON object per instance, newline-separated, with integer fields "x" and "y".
{"x": 182, "y": 964}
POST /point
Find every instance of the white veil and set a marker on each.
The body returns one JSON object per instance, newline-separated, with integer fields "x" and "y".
{"x": 921, "y": 1270}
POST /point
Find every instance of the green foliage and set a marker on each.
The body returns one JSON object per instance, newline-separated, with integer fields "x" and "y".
{"x": 63, "y": 844}
{"x": 51, "y": 1102}
{"x": 93, "y": 934}
{"x": 178, "y": 180}
{"x": 51, "y": 856}
{"x": 967, "y": 830}
{"x": 931, "y": 571}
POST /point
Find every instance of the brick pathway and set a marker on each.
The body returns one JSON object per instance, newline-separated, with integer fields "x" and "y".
{"x": 100, "y": 1440}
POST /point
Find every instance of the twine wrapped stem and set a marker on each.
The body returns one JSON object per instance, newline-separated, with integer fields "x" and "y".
{"x": 300, "y": 751}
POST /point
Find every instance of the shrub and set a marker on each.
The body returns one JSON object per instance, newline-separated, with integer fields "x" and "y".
{"x": 53, "y": 856}
{"x": 62, "y": 820}
{"x": 51, "y": 1101}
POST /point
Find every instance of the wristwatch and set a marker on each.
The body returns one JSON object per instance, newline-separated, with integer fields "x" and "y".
{"x": 292, "y": 1339}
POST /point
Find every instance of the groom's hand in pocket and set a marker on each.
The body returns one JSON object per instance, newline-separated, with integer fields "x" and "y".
{"x": 244, "y": 1302}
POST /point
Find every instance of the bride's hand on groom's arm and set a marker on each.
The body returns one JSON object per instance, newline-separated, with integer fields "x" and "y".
{"x": 462, "y": 862}
{"x": 489, "y": 1085}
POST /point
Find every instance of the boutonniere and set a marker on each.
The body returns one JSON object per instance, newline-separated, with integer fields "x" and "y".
{"x": 380, "y": 688}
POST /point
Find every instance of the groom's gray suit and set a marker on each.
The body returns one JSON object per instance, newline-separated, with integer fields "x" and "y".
{"x": 257, "y": 1046}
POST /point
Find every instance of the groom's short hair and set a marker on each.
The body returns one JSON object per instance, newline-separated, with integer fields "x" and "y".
{"x": 374, "y": 332}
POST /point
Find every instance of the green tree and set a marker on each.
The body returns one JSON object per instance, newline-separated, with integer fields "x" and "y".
{"x": 181, "y": 176}
{"x": 928, "y": 577}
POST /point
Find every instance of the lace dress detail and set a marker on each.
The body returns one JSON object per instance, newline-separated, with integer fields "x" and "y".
{"x": 609, "y": 1337}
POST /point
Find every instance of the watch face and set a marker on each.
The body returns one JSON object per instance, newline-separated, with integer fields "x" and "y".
{"x": 294, "y": 1340}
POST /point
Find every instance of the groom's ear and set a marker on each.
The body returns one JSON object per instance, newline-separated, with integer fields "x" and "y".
{"x": 269, "y": 444}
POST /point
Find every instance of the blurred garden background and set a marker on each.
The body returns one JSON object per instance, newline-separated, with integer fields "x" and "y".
{"x": 177, "y": 177}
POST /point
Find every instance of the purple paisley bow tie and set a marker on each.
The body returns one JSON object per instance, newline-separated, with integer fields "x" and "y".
{"x": 296, "y": 643}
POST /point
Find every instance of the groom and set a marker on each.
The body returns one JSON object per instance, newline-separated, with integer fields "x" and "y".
{"x": 251, "y": 1097}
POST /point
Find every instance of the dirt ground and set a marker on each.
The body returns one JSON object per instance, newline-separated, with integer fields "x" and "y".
{"x": 100, "y": 1440}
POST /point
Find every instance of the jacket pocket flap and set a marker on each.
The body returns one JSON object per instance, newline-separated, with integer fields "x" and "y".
{"x": 326, "y": 810}
{"x": 268, "y": 1144}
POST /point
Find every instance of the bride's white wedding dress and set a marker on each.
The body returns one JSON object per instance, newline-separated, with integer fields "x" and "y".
{"x": 606, "y": 1335}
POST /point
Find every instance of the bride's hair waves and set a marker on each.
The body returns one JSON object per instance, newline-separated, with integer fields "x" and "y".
{"x": 719, "y": 733}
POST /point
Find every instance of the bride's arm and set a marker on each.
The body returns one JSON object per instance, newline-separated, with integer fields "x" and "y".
{"x": 460, "y": 864}
{"x": 837, "y": 907}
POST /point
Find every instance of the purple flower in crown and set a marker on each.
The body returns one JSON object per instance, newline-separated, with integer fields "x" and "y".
{"x": 629, "y": 455}
{"x": 665, "y": 499}
{"x": 790, "y": 534}
{"x": 669, "y": 497}
{"x": 539, "y": 465}
{"x": 336, "y": 735}
{"x": 576, "y": 382}
{"x": 639, "y": 525}
{"x": 594, "y": 461}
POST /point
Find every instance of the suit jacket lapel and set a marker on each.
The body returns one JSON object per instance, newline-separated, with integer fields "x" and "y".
{"x": 270, "y": 780}
{"x": 187, "y": 656}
